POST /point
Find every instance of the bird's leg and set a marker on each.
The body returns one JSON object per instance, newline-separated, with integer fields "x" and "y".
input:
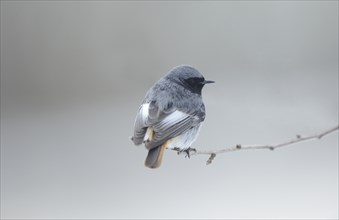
{"x": 188, "y": 151}
{"x": 177, "y": 149}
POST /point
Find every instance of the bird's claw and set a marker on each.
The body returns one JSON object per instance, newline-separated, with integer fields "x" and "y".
{"x": 188, "y": 152}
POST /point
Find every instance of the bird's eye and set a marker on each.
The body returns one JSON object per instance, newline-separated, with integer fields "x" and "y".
{"x": 195, "y": 84}
{"x": 194, "y": 81}
{"x": 191, "y": 81}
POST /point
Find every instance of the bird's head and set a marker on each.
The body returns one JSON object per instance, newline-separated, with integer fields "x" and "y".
{"x": 188, "y": 77}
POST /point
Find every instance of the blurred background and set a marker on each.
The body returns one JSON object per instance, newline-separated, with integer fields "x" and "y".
{"x": 73, "y": 75}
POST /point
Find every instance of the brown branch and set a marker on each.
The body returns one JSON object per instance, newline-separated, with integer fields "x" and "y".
{"x": 297, "y": 139}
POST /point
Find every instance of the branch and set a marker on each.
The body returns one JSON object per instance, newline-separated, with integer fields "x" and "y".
{"x": 213, "y": 153}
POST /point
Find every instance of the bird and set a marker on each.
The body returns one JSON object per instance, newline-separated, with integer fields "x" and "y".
{"x": 171, "y": 114}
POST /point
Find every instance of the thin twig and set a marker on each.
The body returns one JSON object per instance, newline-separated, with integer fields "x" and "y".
{"x": 297, "y": 139}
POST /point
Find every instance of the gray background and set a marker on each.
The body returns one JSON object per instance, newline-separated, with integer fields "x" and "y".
{"x": 74, "y": 73}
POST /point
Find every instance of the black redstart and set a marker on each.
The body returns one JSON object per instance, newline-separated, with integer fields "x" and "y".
{"x": 170, "y": 114}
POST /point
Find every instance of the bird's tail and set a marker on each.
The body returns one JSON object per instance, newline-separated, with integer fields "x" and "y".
{"x": 154, "y": 156}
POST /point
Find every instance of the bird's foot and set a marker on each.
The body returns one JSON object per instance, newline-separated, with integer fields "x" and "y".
{"x": 187, "y": 151}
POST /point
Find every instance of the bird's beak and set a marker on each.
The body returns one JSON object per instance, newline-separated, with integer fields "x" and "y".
{"x": 208, "y": 81}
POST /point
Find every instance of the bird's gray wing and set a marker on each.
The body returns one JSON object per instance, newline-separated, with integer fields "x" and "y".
{"x": 149, "y": 114}
{"x": 140, "y": 126}
{"x": 165, "y": 122}
{"x": 171, "y": 125}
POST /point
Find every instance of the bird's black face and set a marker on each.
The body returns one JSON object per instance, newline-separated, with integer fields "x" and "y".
{"x": 195, "y": 84}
